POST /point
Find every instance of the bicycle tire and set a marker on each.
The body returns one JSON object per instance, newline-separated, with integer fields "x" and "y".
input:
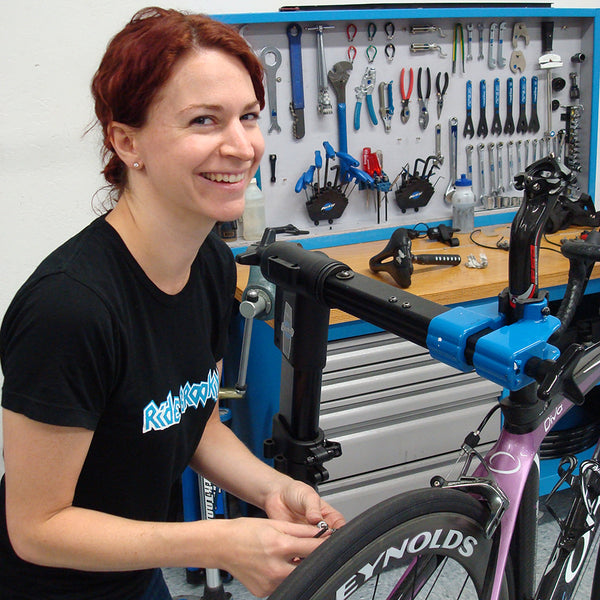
{"x": 433, "y": 524}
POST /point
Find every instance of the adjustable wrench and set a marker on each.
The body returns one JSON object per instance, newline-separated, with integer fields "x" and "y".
{"x": 271, "y": 76}
{"x": 338, "y": 77}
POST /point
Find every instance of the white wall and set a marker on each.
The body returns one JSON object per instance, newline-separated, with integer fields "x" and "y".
{"x": 49, "y": 170}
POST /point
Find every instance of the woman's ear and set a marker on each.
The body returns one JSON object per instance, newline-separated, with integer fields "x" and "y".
{"x": 122, "y": 138}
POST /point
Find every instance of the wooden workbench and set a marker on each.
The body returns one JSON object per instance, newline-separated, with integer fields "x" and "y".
{"x": 451, "y": 285}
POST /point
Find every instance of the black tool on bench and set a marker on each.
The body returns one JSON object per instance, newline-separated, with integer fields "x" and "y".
{"x": 397, "y": 258}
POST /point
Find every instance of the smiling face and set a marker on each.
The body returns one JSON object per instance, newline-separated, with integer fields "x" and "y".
{"x": 201, "y": 143}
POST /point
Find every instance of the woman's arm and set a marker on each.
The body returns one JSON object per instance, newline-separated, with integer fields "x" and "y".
{"x": 43, "y": 463}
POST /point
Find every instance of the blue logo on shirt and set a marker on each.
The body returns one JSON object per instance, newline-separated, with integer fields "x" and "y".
{"x": 191, "y": 395}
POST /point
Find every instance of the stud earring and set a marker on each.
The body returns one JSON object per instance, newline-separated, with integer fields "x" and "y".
{"x": 136, "y": 165}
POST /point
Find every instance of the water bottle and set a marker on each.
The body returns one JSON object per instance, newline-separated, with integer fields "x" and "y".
{"x": 463, "y": 205}
{"x": 253, "y": 218}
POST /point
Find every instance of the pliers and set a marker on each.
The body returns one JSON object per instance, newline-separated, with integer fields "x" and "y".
{"x": 405, "y": 112}
{"x": 423, "y": 100}
{"x": 365, "y": 90}
{"x": 441, "y": 91}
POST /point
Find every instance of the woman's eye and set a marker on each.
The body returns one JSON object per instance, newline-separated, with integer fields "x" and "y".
{"x": 253, "y": 116}
{"x": 202, "y": 121}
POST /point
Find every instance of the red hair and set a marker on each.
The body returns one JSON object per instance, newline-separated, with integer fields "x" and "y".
{"x": 138, "y": 62}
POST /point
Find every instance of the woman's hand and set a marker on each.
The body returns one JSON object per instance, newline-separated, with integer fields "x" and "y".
{"x": 297, "y": 502}
{"x": 261, "y": 553}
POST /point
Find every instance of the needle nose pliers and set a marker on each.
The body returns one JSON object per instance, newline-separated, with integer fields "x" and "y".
{"x": 441, "y": 91}
{"x": 423, "y": 99}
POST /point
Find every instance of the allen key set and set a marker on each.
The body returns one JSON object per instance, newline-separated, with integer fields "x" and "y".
{"x": 484, "y": 96}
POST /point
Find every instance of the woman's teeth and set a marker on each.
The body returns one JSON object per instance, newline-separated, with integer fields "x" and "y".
{"x": 226, "y": 177}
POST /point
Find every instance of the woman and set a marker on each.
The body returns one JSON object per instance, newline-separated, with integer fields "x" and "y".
{"x": 111, "y": 350}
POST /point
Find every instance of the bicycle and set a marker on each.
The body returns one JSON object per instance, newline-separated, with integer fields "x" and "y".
{"x": 474, "y": 536}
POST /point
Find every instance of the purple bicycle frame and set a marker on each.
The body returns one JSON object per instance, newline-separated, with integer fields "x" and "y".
{"x": 509, "y": 462}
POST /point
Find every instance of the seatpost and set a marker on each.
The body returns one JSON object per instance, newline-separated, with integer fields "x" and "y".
{"x": 542, "y": 183}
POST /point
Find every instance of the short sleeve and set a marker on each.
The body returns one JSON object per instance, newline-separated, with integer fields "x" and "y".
{"x": 58, "y": 349}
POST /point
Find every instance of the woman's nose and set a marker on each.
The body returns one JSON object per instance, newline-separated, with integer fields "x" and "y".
{"x": 241, "y": 141}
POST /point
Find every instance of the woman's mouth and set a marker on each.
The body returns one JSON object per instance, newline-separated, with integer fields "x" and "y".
{"x": 224, "y": 177}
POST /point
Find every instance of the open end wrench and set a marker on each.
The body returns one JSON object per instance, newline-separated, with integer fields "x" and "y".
{"x": 500, "y": 60}
{"x": 271, "y": 76}
{"x": 469, "y": 130}
{"x": 500, "y": 167}
{"x": 491, "y": 56}
{"x": 509, "y": 124}
{"x": 522, "y": 122}
{"x": 534, "y": 123}
{"x": 496, "y": 123}
{"x": 482, "y": 128}
{"x": 453, "y": 160}
{"x": 493, "y": 189}
{"x": 469, "y": 152}
{"x": 481, "y": 167}
{"x": 511, "y": 163}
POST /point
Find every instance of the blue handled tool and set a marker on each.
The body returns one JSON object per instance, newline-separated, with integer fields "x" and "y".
{"x": 522, "y": 122}
{"x": 469, "y": 130}
{"x": 496, "y": 123}
{"x": 318, "y": 165}
{"x": 509, "y": 124}
{"x": 482, "y": 128}
{"x": 294, "y": 34}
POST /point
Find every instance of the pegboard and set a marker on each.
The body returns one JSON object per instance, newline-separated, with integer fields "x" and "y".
{"x": 407, "y": 142}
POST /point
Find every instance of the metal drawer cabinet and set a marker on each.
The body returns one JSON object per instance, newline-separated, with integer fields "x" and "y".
{"x": 399, "y": 415}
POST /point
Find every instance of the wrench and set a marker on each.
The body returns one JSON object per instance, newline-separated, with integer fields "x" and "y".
{"x": 469, "y": 40}
{"x": 526, "y": 146}
{"x": 439, "y": 157}
{"x": 453, "y": 160}
{"x": 469, "y": 152}
{"x": 534, "y": 144}
{"x": 481, "y": 166}
{"x": 271, "y": 76}
{"x": 511, "y": 164}
{"x": 338, "y": 77}
{"x": 500, "y": 61}
{"x": 519, "y": 157}
{"x": 491, "y": 57}
{"x": 480, "y": 28}
{"x": 493, "y": 189}
{"x": 324, "y": 102}
{"x": 499, "y": 172}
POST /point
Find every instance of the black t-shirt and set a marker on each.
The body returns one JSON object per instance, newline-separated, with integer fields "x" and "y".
{"x": 89, "y": 341}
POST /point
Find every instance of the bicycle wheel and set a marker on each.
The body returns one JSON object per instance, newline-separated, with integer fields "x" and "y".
{"x": 423, "y": 544}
